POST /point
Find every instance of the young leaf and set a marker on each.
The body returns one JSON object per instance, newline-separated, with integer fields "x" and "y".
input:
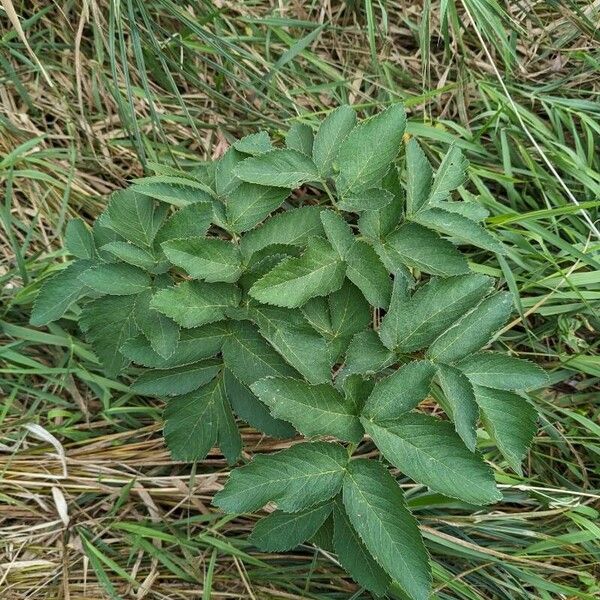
{"x": 210, "y": 259}
{"x": 428, "y": 451}
{"x": 279, "y": 168}
{"x": 293, "y": 227}
{"x": 367, "y": 151}
{"x": 473, "y": 331}
{"x": 78, "y": 239}
{"x": 332, "y": 132}
{"x": 254, "y": 144}
{"x": 462, "y": 407}
{"x": 354, "y": 556}
{"x": 180, "y": 380}
{"x": 311, "y": 409}
{"x": 416, "y": 246}
{"x": 294, "y": 281}
{"x": 419, "y": 177}
{"x": 365, "y": 270}
{"x": 249, "y": 204}
{"x": 116, "y": 279}
{"x": 195, "y": 303}
{"x": 511, "y": 421}
{"x": 400, "y": 392}
{"x": 300, "y": 138}
{"x": 377, "y": 511}
{"x": 58, "y": 293}
{"x": 451, "y": 174}
{"x": 249, "y": 408}
{"x": 283, "y": 531}
{"x": 295, "y": 478}
{"x": 494, "y": 370}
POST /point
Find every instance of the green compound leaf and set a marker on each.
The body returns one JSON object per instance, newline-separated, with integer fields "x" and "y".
{"x": 295, "y": 479}
{"x": 367, "y": 151}
{"x": 474, "y": 330}
{"x": 294, "y": 281}
{"x": 312, "y": 409}
{"x": 210, "y": 259}
{"x": 428, "y": 451}
{"x": 376, "y": 509}
{"x": 279, "y": 168}
{"x": 116, "y": 279}
{"x": 494, "y": 370}
{"x": 283, "y": 531}
{"x": 332, "y": 132}
{"x": 195, "y": 303}
{"x": 79, "y": 240}
{"x": 511, "y": 421}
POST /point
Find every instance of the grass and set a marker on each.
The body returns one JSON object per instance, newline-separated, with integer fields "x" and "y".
{"x": 90, "y": 504}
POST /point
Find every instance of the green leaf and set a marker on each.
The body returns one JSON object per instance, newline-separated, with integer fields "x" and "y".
{"x": 58, "y": 293}
{"x": 294, "y": 281}
{"x": 249, "y": 408}
{"x": 332, "y": 132}
{"x": 311, "y": 409}
{"x": 433, "y": 308}
{"x": 354, "y": 556}
{"x": 210, "y": 259}
{"x": 371, "y": 199}
{"x": 250, "y": 358}
{"x": 176, "y": 381}
{"x": 194, "y": 345}
{"x": 283, "y": 531}
{"x": 400, "y": 392}
{"x": 189, "y": 221}
{"x": 228, "y": 436}
{"x": 462, "y": 228}
{"x": 473, "y": 331}
{"x": 503, "y": 372}
{"x": 349, "y": 311}
{"x": 293, "y": 227}
{"x": 391, "y": 322}
{"x": 451, "y": 174}
{"x": 416, "y": 246}
{"x": 511, "y": 421}
{"x": 132, "y": 216}
{"x": 279, "y": 168}
{"x": 377, "y": 511}
{"x": 367, "y": 151}
{"x": 254, "y": 144}
{"x": 367, "y": 355}
{"x": 295, "y": 478}
{"x": 116, "y": 279}
{"x": 299, "y": 344}
{"x": 300, "y": 138}
{"x": 161, "y": 332}
{"x": 429, "y": 452}
{"x": 78, "y": 239}
{"x": 225, "y": 178}
{"x": 195, "y": 303}
{"x": 133, "y": 255}
{"x": 419, "y": 177}
{"x": 338, "y": 232}
{"x": 376, "y": 224}
{"x": 249, "y": 204}
{"x": 366, "y": 271}
{"x": 108, "y": 323}
{"x": 462, "y": 407}
{"x": 178, "y": 191}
